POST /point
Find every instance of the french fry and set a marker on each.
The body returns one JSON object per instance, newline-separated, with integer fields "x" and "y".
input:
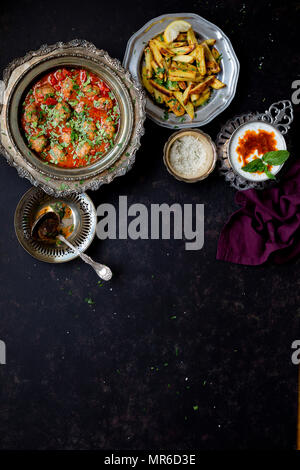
{"x": 185, "y": 96}
{"x": 146, "y": 82}
{"x": 183, "y": 50}
{"x": 161, "y": 88}
{"x": 191, "y": 38}
{"x": 200, "y": 59}
{"x": 190, "y": 110}
{"x": 181, "y": 37}
{"x": 188, "y": 106}
{"x": 183, "y": 66}
{"x": 212, "y": 68}
{"x": 201, "y": 86}
{"x": 184, "y": 58}
{"x": 211, "y": 61}
{"x": 166, "y": 52}
{"x": 148, "y": 60}
{"x": 202, "y": 98}
{"x": 173, "y": 85}
{"x": 217, "y": 84}
{"x": 156, "y": 53}
{"x": 179, "y": 44}
{"x": 182, "y": 85}
{"x": 167, "y": 62}
{"x": 181, "y": 75}
{"x": 194, "y": 97}
{"x": 157, "y": 70}
{"x": 215, "y": 53}
{"x": 210, "y": 42}
{"x": 178, "y": 95}
{"x": 163, "y": 48}
{"x": 159, "y": 97}
{"x": 208, "y": 53}
{"x": 193, "y": 53}
{"x": 175, "y": 106}
{"x": 199, "y": 78}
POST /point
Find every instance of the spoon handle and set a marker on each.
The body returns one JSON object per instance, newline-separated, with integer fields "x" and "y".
{"x": 104, "y": 272}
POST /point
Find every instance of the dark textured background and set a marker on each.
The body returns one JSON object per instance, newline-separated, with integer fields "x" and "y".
{"x": 81, "y": 376}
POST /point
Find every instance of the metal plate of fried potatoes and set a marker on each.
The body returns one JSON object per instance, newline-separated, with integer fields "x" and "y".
{"x": 189, "y": 80}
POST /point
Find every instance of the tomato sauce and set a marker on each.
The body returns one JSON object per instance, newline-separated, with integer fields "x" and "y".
{"x": 261, "y": 141}
{"x": 70, "y": 118}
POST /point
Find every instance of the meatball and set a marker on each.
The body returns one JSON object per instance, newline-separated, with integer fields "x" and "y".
{"x": 61, "y": 112}
{"x": 43, "y": 92}
{"x": 31, "y": 113}
{"x": 108, "y": 128}
{"x": 67, "y": 87}
{"x": 66, "y": 136}
{"x": 83, "y": 150}
{"x": 103, "y": 103}
{"x": 57, "y": 154}
{"x": 91, "y": 90}
{"x": 80, "y": 107}
{"x": 38, "y": 143}
{"x": 89, "y": 128}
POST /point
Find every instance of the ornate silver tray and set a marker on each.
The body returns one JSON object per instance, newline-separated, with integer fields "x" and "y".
{"x": 131, "y": 99}
{"x": 83, "y": 217}
{"x": 280, "y": 115}
{"x": 220, "y": 99}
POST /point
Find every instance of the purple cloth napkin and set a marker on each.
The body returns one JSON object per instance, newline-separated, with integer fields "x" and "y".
{"x": 266, "y": 226}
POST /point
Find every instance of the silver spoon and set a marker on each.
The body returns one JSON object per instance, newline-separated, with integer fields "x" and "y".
{"x": 104, "y": 272}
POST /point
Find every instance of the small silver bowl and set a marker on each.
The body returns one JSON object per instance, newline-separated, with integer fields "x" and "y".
{"x": 199, "y": 135}
{"x": 82, "y": 216}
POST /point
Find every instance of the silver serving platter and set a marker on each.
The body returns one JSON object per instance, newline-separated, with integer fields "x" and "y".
{"x": 21, "y": 73}
{"x": 220, "y": 99}
{"x": 83, "y": 217}
{"x": 280, "y": 115}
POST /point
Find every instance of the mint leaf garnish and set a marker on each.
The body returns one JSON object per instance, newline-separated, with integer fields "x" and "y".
{"x": 254, "y": 166}
{"x": 269, "y": 174}
{"x": 276, "y": 157}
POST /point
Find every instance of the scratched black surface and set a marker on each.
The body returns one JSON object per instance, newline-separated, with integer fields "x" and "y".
{"x": 107, "y": 375}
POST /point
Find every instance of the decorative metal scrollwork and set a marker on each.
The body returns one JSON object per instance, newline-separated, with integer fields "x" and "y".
{"x": 280, "y": 115}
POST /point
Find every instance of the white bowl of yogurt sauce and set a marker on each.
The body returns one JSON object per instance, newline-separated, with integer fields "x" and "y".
{"x": 239, "y": 136}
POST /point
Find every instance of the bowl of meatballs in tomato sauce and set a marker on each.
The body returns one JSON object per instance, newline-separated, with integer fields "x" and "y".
{"x": 70, "y": 117}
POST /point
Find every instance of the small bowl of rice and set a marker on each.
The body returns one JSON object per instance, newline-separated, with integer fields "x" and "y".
{"x": 190, "y": 155}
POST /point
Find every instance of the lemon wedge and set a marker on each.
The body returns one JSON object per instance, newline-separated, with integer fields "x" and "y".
{"x": 174, "y": 28}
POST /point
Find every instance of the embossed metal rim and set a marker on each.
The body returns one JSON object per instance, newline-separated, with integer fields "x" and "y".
{"x": 230, "y": 68}
{"x": 65, "y": 185}
{"x": 82, "y": 238}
